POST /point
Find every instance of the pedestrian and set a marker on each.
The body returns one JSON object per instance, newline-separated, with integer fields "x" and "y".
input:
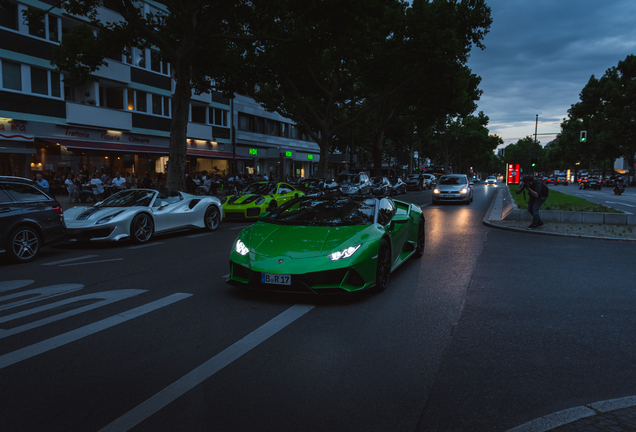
{"x": 42, "y": 182}
{"x": 119, "y": 182}
{"x": 538, "y": 192}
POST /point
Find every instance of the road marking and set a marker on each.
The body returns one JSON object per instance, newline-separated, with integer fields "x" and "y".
{"x": 15, "y": 284}
{"x": 69, "y": 260}
{"x": 613, "y": 202}
{"x": 39, "y": 293}
{"x": 107, "y": 297}
{"x": 226, "y": 276}
{"x": 145, "y": 245}
{"x": 66, "y": 338}
{"x": 206, "y": 370}
{"x": 92, "y": 262}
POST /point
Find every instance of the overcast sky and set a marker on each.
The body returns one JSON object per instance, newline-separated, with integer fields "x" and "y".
{"x": 541, "y": 53}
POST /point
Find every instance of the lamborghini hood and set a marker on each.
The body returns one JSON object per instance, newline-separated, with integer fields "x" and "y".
{"x": 300, "y": 241}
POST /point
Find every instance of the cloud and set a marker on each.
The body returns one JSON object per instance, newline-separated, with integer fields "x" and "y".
{"x": 539, "y": 55}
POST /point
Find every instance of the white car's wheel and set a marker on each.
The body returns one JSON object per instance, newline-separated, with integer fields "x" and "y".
{"x": 212, "y": 218}
{"x": 141, "y": 228}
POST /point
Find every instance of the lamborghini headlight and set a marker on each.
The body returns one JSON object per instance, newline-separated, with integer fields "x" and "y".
{"x": 241, "y": 248}
{"x": 108, "y": 218}
{"x": 345, "y": 253}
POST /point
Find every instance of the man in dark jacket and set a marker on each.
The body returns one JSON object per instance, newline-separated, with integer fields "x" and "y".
{"x": 538, "y": 192}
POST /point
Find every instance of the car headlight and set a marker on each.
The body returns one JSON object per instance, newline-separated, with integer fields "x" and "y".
{"x": 464, "y": 190}
{"x": 345, "y": 253}
{"x": 108, "y": 218}
{"x": 435, "y": 190}
{"x": 241, "y": 248}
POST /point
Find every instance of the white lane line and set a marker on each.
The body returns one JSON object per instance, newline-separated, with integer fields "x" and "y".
{"x": 145, "y": 245}
{"x": 206, "y": 370}
{"x": 38, "y": 294}
{"x": 66, "y": 338}
{"x": 614, "y": 202}
{"x": 92, "y": 262}
{"x": 69, "y": 260}
{"x": 14, "y": 284}
{"x": 106, "y": 298}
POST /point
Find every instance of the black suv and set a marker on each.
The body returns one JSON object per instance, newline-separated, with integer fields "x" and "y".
{"x": 29, "y": 218}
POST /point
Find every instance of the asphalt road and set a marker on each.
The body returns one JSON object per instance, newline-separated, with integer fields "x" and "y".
{"x": 463, "y": 339}
{"x": 626, "y": 202}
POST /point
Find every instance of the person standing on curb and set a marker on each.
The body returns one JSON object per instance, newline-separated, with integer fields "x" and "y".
{"x": 538, "y": 192}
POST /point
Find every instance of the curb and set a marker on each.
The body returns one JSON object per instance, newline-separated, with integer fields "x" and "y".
{"x": 488, "y": 221}
{"x": 560, "y": 418}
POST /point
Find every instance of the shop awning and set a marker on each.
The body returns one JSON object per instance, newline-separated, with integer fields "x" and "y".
{"x": 136, "y": 148}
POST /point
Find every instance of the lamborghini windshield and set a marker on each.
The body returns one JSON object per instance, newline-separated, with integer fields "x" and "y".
{"x": 128, "y": 198}
{"x": 324, "y": 212}
{"x": 260, "y": 189}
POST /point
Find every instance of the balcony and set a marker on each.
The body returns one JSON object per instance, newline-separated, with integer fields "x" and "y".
{"x": 199, "y": 131}
{"x": 89, "y": 115}
{"x": 115, "y": 71}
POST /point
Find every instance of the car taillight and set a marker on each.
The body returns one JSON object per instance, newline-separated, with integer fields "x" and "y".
{"x": 58, "y": 209}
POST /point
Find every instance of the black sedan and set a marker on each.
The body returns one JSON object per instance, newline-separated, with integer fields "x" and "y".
{"x": 415, "y": 182}
{"x": 381, "y": 186}
{"x": 29, "y": 219}
{"x": 590, "y": 183}
{"x": 398, "y": 187}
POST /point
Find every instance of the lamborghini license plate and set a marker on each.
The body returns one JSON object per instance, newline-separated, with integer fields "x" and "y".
{"x": 276, "y": 279}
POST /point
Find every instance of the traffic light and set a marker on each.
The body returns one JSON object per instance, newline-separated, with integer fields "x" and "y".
{"x": 583, "y": 136}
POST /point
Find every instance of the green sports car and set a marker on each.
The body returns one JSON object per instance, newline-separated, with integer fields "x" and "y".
{"x": 257, "y": 199}
{"x": 327, "y": 245}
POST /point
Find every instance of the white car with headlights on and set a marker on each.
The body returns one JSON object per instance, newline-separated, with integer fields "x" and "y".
{"x": 453, "y": 187}
{"x": 138, "y": 214}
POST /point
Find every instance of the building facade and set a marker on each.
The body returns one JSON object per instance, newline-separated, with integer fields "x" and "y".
{"x": 121, "y": 121}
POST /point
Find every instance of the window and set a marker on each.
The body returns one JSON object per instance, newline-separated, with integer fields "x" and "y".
{"x": 198, "y": 114}
{"x": 55, "y": 84}
{"x": 293, "y": 132}
{"x": 36, "y": 27}
{"x": 246, "y": 122}
{"x": 140, "y": 101}
{"x": 157, "y": 104}
{"x": 140, "y": 57}
{"x": 11, "y": 75}
{"x": 166, "y": 106}
{"x": 220, "y": 117}
{"x": 39, "y": 81}
{"x": 9, "y": 15}
{"x": 155, "y": 61}
{"x": 273, "y": 128}
{"x": 54, "y": 34}
{"x": 259, "y": 125}
{"x": 25, "y": 193}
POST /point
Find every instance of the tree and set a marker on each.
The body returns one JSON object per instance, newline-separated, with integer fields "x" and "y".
{"x": 188, "y": 34}
{"x": 365, "y": 58}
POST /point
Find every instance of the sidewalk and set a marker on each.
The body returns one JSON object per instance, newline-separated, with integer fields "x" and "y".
{"x": 616, "y": 415}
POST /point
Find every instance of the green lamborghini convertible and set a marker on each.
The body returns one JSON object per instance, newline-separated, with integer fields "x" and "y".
{"x": 327, "y": 245}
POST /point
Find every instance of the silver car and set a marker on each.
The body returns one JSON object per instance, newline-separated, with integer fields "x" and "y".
{"x": 453, "y": 187}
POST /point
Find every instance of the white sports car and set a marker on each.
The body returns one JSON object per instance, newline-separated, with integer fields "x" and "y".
{"x": 138, "y": 214}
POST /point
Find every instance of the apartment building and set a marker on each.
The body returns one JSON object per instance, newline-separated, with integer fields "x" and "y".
{"x": 121, "y": 121}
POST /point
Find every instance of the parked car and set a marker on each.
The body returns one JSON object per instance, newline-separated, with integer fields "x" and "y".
{"x": 381, "y": 186}
{"x": 354, "y": 184}
{"x": 491, "y": 180}
{"x": 453, "y": 187}
{"x": 430, "y": 179}
{"x": 140, "y": 214}
{"x": 315, "y": 187}
{"x": 561, "y": 181}
{"x": 398, "y": 187}
{"x": 30, "y": 218}
{"x": 590, "y": 182}
{"x": 258, "y": 198}
{"x": 415, "y": 182}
